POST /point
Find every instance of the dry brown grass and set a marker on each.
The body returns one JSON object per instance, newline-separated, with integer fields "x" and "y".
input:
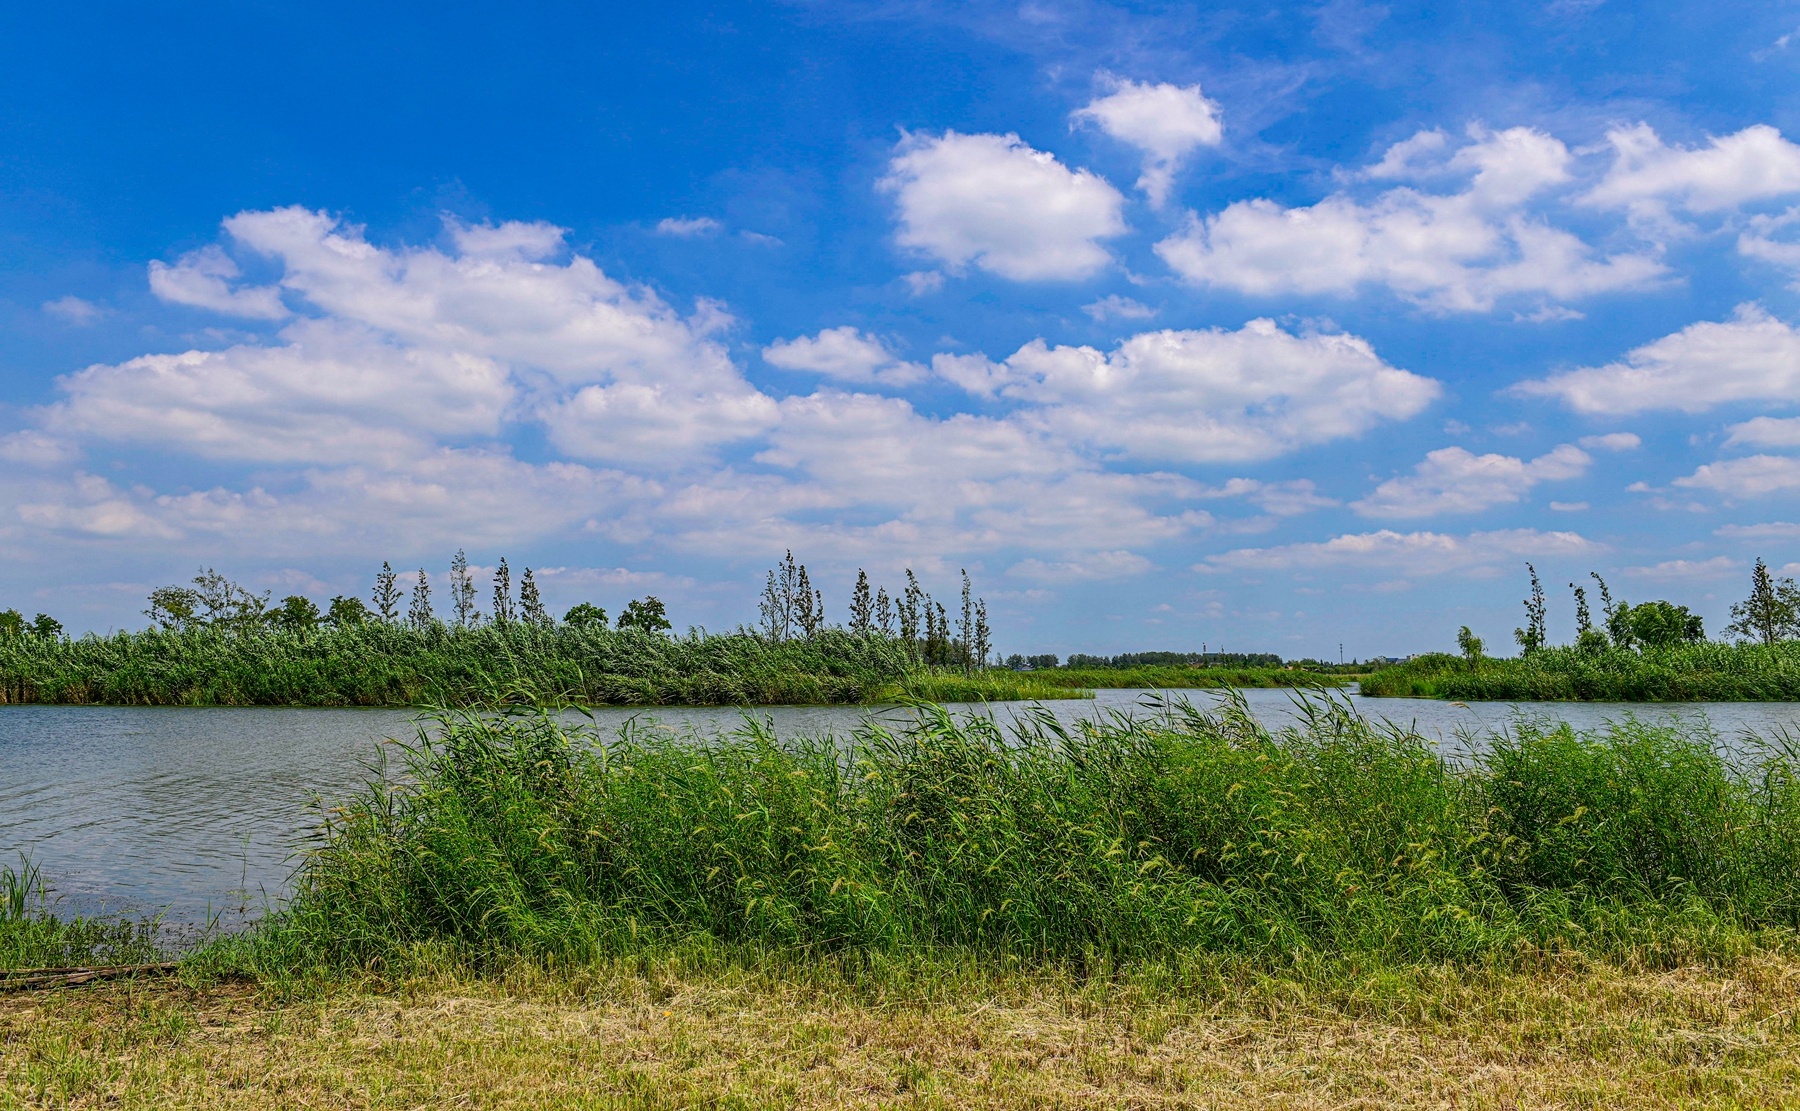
{"x": 1578, "y": 1036}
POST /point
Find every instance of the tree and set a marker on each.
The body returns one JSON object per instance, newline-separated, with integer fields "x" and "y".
{"x": 45, "y": 626}
{"x": 462, "y": 591}
{"x": 780, "y": 599}
{"x": 225, "y": 603}
{"x": 862, "y": 604}
{"x": 174, "y": 608}
{"x": 295, "y": 614}
{"x": 419, "y": 614}
{"x": 984, "y": 636}
{"x": 1587, "y": 638}
{"x": 503, "y": 601}
{"x": 884, "y": 612}
{"x": 1043, "y": 662}
{"x": 1664, "y": 624}
{"x": 1471, "y": 646}
{"x": 965, "y": 628}
{"x": 531, "y": 606}
{"x": 347, "y": 612}
{"x": 387, "y": 594}
{"x": 808, "y": 606}
{"x": 1618, "y": 614}
{"x": 12, "y": 623}
{"x": 585, "y": 615}
{"x": 1772, "y": 612}
{"x": 910, "y": 603}
{"x": 647, "y": 614}
{"x": 1533, "y": 636}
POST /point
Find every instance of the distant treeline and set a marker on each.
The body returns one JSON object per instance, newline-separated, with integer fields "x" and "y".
{"x": 1080, "y": 660}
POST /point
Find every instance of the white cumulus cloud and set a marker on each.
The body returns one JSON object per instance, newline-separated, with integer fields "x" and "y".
{"x": 993, "y": 202}
{"x": 1453, "y": 480}
{"x": 1459, "y": 251}
{"x": 204, "y": 278}
{"x": 1648, "y": 175}
{"x": 1202, "y": 396}
{"x": 843, "y": 353}
{"x": 1753, "y": 476}
{"x": 1765, "y": 432}
{"x": 1167, "y": 122}
{"x": 1410, "y": 553}
{"x": 1751, "y": 357}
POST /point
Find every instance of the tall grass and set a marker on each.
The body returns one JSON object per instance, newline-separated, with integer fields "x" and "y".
{"x": 1683, "y": 673}
{"x": 389, "y": 665}
{"x": 31, "y": 936}
{"x": 1177, "y": 832}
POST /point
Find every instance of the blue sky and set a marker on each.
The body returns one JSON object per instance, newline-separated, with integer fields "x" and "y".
{"x": 1276, "y": 327}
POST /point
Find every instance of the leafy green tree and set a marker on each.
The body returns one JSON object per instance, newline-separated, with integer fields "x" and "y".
{"x": 174, "y": 608}
{"x": 419, "y": 614}
{"x": 295, "y": 614}
{"x": 46, "y": 626}
{"x": 862, "y": 604}
{"x": 585, "y": 615}
{"x": 1662, "y": 624}
{"x": 387, "y": 594}
{"x": 1042, "y": 663}
{"x": 1470, "y": 645}
{"x": 647, "y": 614}
{"x": 1534, "y": 635}
{"x": 984, "y": 635}
{"x": 347, "y": 613}
{"x": 1618, "y": 614}
{"x": 12, "y": 623}
{"x": 225, "y": 604}
{"x": 884, "y": 612}
{"x": 462, "y": 591}
{"x": 1772, "y": 612}
{"x": 531, "y": 605}
{"x": 503, "y": 600}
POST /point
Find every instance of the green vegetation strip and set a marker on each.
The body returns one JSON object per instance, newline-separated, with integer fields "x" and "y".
{"x": 1675, "y": 673}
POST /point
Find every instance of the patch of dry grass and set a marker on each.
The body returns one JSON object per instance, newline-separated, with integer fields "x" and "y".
{"x": 1575, "y": 1036}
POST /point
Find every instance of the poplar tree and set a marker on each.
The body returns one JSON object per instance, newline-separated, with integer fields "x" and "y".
{"x": 1533, "y": 636}
{"x": 909, "y": 609}
{"x": 531, "y": 606}
{"x": 862, "y": 606}
{"x": 419, "y": 616}
{"x": 462, "y": 591}
{"x": 1772, "y": 612}
{"x": 387, "y": 594}
{"x": 884, "y": 612}
{"x": 503, "y": 602}
{"x": 983, "y": 635}
{"x": 966, "y": 627}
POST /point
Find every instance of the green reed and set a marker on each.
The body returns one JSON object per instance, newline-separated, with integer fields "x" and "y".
{"x": 1682, "y": 673}
{"x": 1170, "y": 833}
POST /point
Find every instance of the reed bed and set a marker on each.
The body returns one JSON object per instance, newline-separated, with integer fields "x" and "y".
{"x": 1165, "y": 836}
{"x": 376, "y": 664}
{"x": 1186, "y": 678}
{"x": 1683, "y": 673}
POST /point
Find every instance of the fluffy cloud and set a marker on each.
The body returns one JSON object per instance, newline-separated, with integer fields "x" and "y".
{"x": 410, "y": 344}
{"x": 1753, "y": 476}
{"x": 1673, "y": 570}
{"x": 1775, "y": 432}
{"x": 1452, "y": 480}
{"x": 1751, "y": 357}
{"x": 1613, "y": 441}
{"x": 1458, "y": 251}
{"x": 993, "y": 202}
{"x": 1411, "y": 553}
{"x": 1647, "y": 175}
{"x": 1096, "y": 567}
{"x": 688, "y": 227}
{"x": 1202, "y": 396}
{"x": 1166, "y": 122}
{"x": 203, "y": 279}
{"x": 845, "y": 354}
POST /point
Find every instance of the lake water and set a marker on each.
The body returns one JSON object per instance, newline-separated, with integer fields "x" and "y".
{"x": 196, "y": 814}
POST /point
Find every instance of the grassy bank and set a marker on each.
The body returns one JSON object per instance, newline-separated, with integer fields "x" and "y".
{"x": 1567, "y": 1033}
{"x": 1682, "y": 673}
{"x": 1185, "y": 678}
{"x": 393, "y": 665}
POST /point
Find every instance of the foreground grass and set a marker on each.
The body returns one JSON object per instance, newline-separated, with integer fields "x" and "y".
{"x": 1686, "y": 673}
{"x": 1565, "y": 1033}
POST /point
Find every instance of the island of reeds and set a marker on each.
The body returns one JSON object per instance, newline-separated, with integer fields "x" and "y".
{"x": 216, "y": 643}
{"x": 1654, "y": 651}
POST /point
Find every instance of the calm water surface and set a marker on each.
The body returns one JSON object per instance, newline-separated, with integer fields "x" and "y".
{"x": 197, "y": 814}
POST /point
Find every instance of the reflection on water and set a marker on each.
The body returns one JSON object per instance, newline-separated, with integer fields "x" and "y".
{"x": 198, "y": 812}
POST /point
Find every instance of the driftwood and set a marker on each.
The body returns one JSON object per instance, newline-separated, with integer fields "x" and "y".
{"x": 28, "y": 979}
